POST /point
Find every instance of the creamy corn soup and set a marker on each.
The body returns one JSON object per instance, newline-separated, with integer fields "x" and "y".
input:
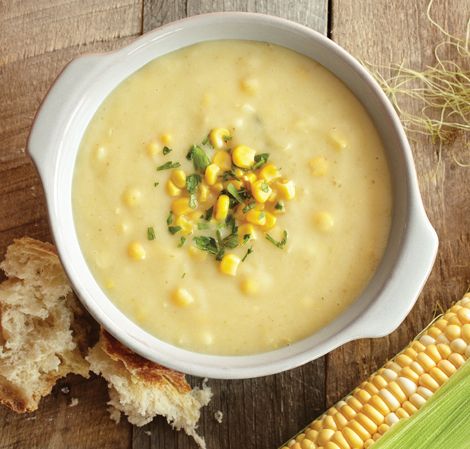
{"x": 232, "y": 197}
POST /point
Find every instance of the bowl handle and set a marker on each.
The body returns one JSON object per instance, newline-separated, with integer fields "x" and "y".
{"x": 407, "y": 280}
{"x": 51, "y": 117}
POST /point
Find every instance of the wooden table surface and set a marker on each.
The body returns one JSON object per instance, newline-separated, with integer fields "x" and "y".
{"x": 38, "y": 37}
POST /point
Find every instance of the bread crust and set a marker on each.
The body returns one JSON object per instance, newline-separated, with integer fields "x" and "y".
{"x": 139, "y": 367}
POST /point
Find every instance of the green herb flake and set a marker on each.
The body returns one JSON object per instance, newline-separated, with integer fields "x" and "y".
{"x": 248, "y": 207}
{"x": 208, "y": 244}
{"x": 202, "y": 226}
{"x": 181, "y": 242}
{"x": 229, "y": 175}
{"x": 248, "y": 252}
{"x": 205, "y": 140}
{"x": 199, "y": 157}
{"x": 208, "y": 214}
{"x": 231, "y": 241}
{"x": 234, "y": 192}
{"x": 227, "y": 138}
{"x": 281, "y": 244}
{"x": 174, "y": 229}
{"x": 150, "y": 233}
{"x": 169, "y": 219}
{"x": 166, "y": 150}
{"x": 156, "y": 183}
{"x": 279, "y": 205}
{"x": 168, "y": 165}
{"x": 183, "y": 275}
{"x": 260, "y": 160}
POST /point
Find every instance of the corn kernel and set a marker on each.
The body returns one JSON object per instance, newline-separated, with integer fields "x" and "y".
{"x": 270, "y": 221}
{"x": 212, "y": 171}
{"x": 180, "y": 206}
{"x": 136, "y": 251}
{"x": 185, "y": 224}
{"x": 153, "y": 149}
{"x": 257, "y": 217}
{"x": 338, "y": 142}
{"x": 222, "y": 207}
{"x": 323, "y": 221}
{"x": 223, "y": 160}
{"x": 131, "y": 197}
{"x": 219, "y": 137}
{"x": 246, "y": 229}
{"x": 249, "y": 85}
{"x": 261, "y": 191}
{"x": 269, "y": 172}
{"x": 181, "y": 297}
{"x": 249, "y": 286}
{"x": 286, "y": 190}
{"x": 197, "y": 253}
{"x": 249, "y": 179}
{"x": 243, "y": 156}
{"x": 217, "y": 187}
{"x": 166, "y": 138}
{"x": 324, "y": 436}
{"x": 229, "y": 264}
{"x": 171, "y": 189}
{"x": 319, "y": 166}
{"x": 178, "y": 177}
{"x": 203, "y": 193}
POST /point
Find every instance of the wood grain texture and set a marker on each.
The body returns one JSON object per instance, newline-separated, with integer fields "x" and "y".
{"x": 381, "y": 32}
{"x": 38, "y": 37}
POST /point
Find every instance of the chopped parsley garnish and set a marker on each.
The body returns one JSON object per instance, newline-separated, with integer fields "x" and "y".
{"x": 166, "y": 150}
{"x": 248, "y": 207}
{"x": 208, "y": 214}
{"x": 206, "y": 140}
{"x": 230, "y": 221}
{"x": 208, "y": 244}
{"x": 174, "y": 229}
{"x": 156, "y": 183}
{"x": 281, "y": 244}
{"x": 234, "y": 192}
{"x": 202, "y": 226}
{"x": 199, "y": 157}
{"x": 248, "y": 252}
{"x": 227, "y": 138}
{"x": 192, "y": 183}
{"x": 150, "y": 233}
{"x": 279, "y": 205}
{"x": 229, "y": 174}
{"x": 169, "y": 219}
{"x": 231, "y": 241}
{"x": 181, "y": 243}
{"x": 260, "y": 159}
{"x": 168, "y": 165}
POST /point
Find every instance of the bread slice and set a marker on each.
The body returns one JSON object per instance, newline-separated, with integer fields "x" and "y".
{"x": 38, "y": 312}
{"x": 142, "y": 389}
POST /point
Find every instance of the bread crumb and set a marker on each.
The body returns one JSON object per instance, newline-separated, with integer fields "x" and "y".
{"x": 148, "y": 433}
{"x": 65, "y": 390}
{"x": 219, "y": 416}
{"x": 73, "y": 402}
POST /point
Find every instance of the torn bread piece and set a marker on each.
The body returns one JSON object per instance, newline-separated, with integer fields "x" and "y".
{"x": 38, "y": 315}
{"x": 142, "y": 389}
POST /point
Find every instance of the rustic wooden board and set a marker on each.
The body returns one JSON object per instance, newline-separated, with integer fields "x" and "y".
{"x": 38, "y": 38}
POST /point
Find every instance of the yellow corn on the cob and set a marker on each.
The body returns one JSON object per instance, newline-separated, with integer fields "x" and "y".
{"x": 395, "y": 391}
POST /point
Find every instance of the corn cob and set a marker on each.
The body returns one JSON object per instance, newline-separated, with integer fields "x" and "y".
{"x": 395, "y": 391}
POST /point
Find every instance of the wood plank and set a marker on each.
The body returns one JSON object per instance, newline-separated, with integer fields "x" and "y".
{"x": 38, "y": 39}
{"x": 382, "y": 32}
{"x": 258, "y": 413}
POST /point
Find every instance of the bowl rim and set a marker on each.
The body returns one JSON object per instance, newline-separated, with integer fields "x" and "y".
{"x": 418, "y": 246}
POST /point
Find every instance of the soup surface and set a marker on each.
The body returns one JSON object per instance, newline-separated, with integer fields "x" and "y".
{"x": 323, "y": 145}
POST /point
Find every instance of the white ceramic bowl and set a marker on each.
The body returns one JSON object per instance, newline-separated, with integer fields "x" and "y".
{"x": 86, "y": 82}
